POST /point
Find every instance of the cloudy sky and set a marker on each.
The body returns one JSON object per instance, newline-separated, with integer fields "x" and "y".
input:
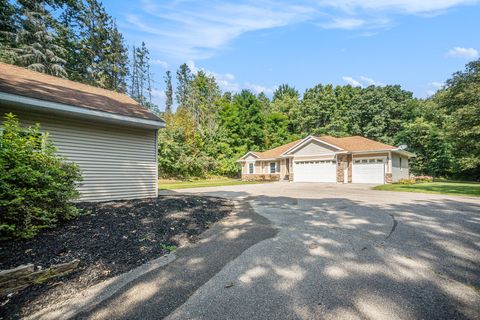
{"x": 260, "y": 44}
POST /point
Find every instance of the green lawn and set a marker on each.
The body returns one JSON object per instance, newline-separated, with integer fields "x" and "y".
{"x": 443, "y": 187}
{"x": 200, "y": 183}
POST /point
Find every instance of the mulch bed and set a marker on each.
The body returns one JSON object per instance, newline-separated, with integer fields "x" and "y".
{"x": 109, "y": 238}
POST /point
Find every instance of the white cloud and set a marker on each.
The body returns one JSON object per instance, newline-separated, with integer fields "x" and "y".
{"x": 362, "y": 81}
{"x": 459, "y": 52}
{"x": 403, "y": 6}
{"x": 437, "y": 85}
{"x": 161, "y": 63}
{"x": 196, "y": 30}
{"x": 182, "y": 29}
{"x": 352, "y": 81}
{"x": 370, "y": 81}
{"x": 343, "y": 23}
{"x": 259, "y": 89}
{"x": 433, "y": 87}
{"x": 227, "y": 81}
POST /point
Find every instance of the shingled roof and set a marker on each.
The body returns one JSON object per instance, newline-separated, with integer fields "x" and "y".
{"x": 356, "y": 143}
{"x": 32, "y": 84}
{"x": 350, "y": 144}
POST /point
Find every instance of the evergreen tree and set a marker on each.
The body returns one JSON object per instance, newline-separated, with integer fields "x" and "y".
{"x": 36, "y": 41}
{"x": 184, "y": 79}
{"x": 94, "y": 36}
{"x": 68, "y": 28}
{"x": 8, "y": 29}
{"x": 168, "y": 92}
{"x": 141, "y": 78}
{"x": 116, "y": 62}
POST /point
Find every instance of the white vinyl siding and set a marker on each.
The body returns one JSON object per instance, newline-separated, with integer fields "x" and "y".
{"x": 399, "y": 168}
{"x": 117, "y": 162}
{"x": 314, "y": 148}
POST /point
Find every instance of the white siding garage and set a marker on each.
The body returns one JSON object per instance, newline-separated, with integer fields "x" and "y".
{"x": 109, "y": 135}
{"x": 315, "y": 171}
{"x": 370, "y": 170}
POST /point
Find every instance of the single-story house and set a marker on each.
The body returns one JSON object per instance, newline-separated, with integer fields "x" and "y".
{"x": 328, "y": 159}
{"x": 108, "y": 134}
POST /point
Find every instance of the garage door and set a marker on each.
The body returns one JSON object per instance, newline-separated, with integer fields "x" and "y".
{"x": 368, "y": 171}
{"x": 315, "y": 171}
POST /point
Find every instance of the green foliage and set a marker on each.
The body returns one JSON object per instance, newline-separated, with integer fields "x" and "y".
{"x": 461, "y": 101}
{"x": 180, "y": 151}
{"x": 431, "y": 146}
{"x": 423, "y": 179}
{"x": 36, "y": 186}
{"x": 442, "y": 131}
{"x": 406, "y": 181}
{"x": 77, "y": 40}
{"x": 36, "y": 41}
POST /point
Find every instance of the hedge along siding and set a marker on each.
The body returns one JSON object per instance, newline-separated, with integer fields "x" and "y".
{"x": 117, "y": 162}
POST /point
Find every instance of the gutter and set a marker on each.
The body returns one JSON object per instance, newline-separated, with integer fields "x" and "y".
{"x": 26, "y": 102}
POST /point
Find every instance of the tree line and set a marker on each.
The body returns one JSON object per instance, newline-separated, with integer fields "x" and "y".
{"x": 77, "y": 40}
{"x": 210, "y": 130}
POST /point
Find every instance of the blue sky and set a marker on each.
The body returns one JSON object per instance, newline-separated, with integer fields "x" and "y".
{"x": 259, "y": 45}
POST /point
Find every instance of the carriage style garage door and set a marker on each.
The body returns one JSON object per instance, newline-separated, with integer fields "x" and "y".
{"x": 368, "y": 170}
{"x": 315, "y": 171}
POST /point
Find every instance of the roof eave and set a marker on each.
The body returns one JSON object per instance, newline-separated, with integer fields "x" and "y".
{"x": 60, "y": 108}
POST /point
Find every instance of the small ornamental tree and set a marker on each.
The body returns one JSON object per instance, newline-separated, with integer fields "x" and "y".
{"x": 36, "y": 185}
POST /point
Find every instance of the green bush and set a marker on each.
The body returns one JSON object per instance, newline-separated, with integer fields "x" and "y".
{"x": 422, "y": 179}
{"x": 36, "y": 185}
{"x": 406, "y": 181}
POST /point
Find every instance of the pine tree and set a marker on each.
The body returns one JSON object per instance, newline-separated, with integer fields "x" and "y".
{"x": 68, "y": 37}
{"x": 95, "y": 37}
{"x": 168, "y": 92}
{"x": 141, "y": 87}
{"x": 184, "y": 79}
{"x": 8, "y": 29}
{"x": 37, "y": 43}
{"x": 116, "y": 63}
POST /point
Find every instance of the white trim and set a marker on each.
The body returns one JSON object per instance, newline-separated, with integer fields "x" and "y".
{"x": 306, "y": 140}
{"x": 316, "y": 155}
{"x": 71, "y": 109}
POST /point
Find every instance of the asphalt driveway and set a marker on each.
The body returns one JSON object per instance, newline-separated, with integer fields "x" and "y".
{"x": 339, "y": 252}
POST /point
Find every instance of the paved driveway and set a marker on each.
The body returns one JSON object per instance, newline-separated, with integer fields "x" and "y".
{"x": 348, "y": 252}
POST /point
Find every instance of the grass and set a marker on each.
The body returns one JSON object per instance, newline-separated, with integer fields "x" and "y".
{"x": 457, "y": 188}
{"x": 201, "y": 183}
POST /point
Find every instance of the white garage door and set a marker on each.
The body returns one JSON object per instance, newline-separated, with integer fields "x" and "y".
{"x": 315, "y": 171}
{"x": 368, "y": 171}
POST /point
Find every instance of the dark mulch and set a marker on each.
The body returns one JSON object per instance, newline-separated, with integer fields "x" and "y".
{"x": 109, "y": 239}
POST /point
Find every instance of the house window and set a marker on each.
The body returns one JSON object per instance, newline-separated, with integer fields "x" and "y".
{"x": 273, "y": 167}
{"x": 251, "y": 168}
{"x": 401, "y": 169}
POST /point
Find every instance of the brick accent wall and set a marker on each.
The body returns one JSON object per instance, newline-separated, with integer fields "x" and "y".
{"x": 388, "y": 178}
{"x": 350, "y": 167}
{"x": 261, "y": 177}
{"x": 341, "y": 160}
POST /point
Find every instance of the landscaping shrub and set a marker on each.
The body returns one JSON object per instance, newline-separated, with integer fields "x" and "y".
{"x": 421, "y": 179}
{"x": 406, "y": 181}
{"x": 36, "y": 185}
